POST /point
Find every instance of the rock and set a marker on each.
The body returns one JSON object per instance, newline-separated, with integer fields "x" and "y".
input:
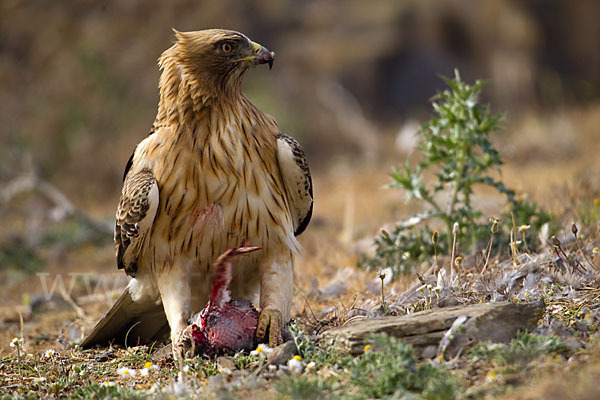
{"x": 495, "y": 322}
{"x": 226, "y": 362}
{"x": 162, "y": 354}
{"x": 282, "y": 353}
{"x": 105, "y": 356}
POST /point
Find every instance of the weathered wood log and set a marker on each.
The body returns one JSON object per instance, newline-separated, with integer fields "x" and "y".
{"x": 427, "y": 330}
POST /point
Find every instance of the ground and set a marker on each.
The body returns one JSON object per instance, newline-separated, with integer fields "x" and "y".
{"x": 557, "y": 167}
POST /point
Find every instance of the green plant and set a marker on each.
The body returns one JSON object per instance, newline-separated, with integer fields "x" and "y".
{"x": 389, "y": 368}
{"x": 302, "y": 387}
{"x": 20, "y": 257}
{"x": 245, "y": 361}
{"x": 310, "y": 351}
{"x": 456, "y": 148}
{"x": 527, "y": 347}
{"x": 97, "y": 391}
{"x": 205, "y": 367}
{"x": 524, "y": 348}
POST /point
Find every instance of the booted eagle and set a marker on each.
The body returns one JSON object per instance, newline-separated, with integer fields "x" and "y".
{"x": 215, "y": 173}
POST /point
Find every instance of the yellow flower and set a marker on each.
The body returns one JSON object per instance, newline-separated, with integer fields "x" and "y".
{"x": 596, "y": 202}
{"x": 367, "y": 348}
{"x": 297, "y": 357}
{"x": 595, "y": 250}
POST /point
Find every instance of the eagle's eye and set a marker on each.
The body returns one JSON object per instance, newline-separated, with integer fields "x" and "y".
{"x": 226, "y": 47}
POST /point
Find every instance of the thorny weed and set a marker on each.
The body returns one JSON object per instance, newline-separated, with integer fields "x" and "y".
{"x": 455, "y": 146}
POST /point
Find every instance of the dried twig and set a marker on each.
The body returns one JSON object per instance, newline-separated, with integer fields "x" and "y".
{"x": 575, "y": 230}
{"x": 78, "y": 310}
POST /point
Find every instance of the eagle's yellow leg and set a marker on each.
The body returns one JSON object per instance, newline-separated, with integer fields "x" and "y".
{"x": 176, "y": 295}
{"x": 276, "y": 290}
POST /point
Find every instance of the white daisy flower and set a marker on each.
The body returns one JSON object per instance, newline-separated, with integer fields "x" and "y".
{"x": 148, "y": 367}
{"x": 49, "y": 353}
{"x": 17, "y": 342}
{"x": 412, "y": 221}
{"x": 126, "y": 372}
{"x": 296, "y": 365}
{"x": 262, "y": 350}
{"x": 524, "y": 228}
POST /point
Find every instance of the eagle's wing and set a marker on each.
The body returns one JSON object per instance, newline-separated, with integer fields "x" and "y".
{"x": 297, "y": 179}
{"x": 129, "y": 323}
{"x": 135, "y": 215}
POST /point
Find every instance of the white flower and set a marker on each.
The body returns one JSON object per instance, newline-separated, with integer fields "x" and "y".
{"x": 310, "y": 366}
{"x": 492, "y": 376}
{"x": 262, "y": 350}
{"x": 455, "y": 228}
{"x": 386, "y": 275}
{"x": 108, "y": 384}
{"x": 49, "y": 353}
{"x": 126, "y": 372}
{"x": 524, "y": 228}
{"x": 17, "y": 342}
{"x": 412, "y": 221}
{"x": 296, "y": 365}
{"x": 272, "y": 367}
{"x": 39, "y": 380}
{"x": 148, "y": 367}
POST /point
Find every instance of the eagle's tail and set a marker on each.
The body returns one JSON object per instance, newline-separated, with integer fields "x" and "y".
{"x": 129, "y": 323}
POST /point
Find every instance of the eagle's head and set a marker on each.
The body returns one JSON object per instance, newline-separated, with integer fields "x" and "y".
{"x": 210, "y": 63}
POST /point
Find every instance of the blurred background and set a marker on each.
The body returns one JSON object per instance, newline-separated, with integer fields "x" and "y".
{"x": 352, "y": 80}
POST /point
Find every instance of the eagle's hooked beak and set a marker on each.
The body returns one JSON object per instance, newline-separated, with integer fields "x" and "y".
{"x": 263, "y": 55}
{"x": 260, "y": 55}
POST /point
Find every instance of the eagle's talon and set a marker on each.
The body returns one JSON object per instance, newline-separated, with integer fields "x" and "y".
{"x": 272, "y": 320}
{"x": 183, "y": 347}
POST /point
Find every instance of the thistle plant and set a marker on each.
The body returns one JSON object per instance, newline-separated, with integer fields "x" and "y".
{"x": 455, "y": 147}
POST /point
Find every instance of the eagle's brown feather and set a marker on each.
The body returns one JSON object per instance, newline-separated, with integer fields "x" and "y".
{"x": 135, "y": 214}
{"x": 298, "y": 180}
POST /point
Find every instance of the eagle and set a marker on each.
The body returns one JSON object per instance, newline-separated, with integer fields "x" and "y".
{"x": 214, "y": 173}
